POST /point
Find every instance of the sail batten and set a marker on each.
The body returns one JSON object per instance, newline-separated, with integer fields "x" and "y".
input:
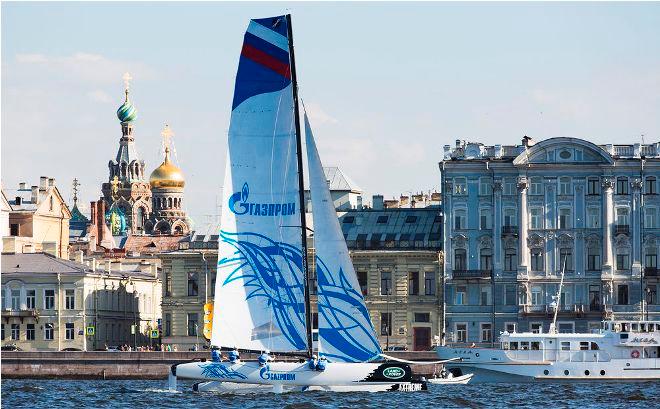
{"x": 346, "y": 333}
{"x": 260, "y": 291}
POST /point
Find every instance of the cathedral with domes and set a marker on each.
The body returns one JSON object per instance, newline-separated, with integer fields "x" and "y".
{"x": 133, "y": 204}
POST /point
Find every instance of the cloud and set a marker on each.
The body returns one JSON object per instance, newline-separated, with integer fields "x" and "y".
{"x": 317, "y": 115}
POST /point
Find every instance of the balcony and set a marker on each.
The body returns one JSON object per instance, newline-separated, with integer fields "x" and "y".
{"x": 458, "y": 274}
{"x": 9, "y": 313}
{"x": 651, "y": 272}
{"x": 509, "y": 230}
{"x": 621, "y": 229}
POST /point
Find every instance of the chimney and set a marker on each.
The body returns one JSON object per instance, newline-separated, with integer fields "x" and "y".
{"x": 447, "y": 154}
{"x": 377, "y": 202}
{"x": 22, "y": 186}
{"x": 51, "y": 182}
{"x": 92, "y": 212}
{"x": 35, "y": 194}
{"x": 43, "y": 181}
{"x": 100, "y": 221}
{"x": 359, "y": 202}
{"x": 80, "y": 256}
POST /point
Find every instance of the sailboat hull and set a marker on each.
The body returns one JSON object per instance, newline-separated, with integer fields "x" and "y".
{"x": 292, "y": 376}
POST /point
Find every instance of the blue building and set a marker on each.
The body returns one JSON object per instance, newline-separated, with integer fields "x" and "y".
{"x": 514, "y": 215}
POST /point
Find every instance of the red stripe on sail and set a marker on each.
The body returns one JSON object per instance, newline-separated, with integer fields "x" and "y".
{"x": 266, "y": 60}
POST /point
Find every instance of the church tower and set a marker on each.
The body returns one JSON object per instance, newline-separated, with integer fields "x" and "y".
{"x": 167, "y": 182}
{"x": 127, "y": 193}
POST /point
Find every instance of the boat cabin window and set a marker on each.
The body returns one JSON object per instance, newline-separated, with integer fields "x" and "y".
{"x": 584, "y": 346}
{"x": 505, "y": 346}
{"x": 633, "y": 327}
{"x": 513, "y": 345}
{"x": 565, "y": 346}
{"x": 524, "y": 345}
{"x": 624, "y": 327}
{"x": 623, "y": 336}
{"x": 642, "y": 327}
{"x": 594, "y": 346}
{"x": 536, "y": 346}
{"x": 657, "y": 327}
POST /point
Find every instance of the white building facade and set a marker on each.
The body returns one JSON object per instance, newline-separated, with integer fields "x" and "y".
{"x": 514, "y": 215}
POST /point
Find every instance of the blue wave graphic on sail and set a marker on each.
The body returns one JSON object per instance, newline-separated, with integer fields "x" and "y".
{"x": 270, "y": 270}
{"x": 216, "y": 370}
{"x": 347, "y": 327}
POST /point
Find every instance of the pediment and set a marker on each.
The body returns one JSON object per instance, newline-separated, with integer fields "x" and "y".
{"x": 563, "y": 151}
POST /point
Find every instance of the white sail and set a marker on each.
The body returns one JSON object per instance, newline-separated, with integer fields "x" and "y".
{"x": 259, "y": 294}
{"x": 346, "y": 333}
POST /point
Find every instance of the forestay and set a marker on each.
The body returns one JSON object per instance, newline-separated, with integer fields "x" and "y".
{"x": 259, "y": 292}
{"x": 345, "y": 330}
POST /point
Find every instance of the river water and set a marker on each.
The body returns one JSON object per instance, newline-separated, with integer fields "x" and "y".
{"x": 28, "y": 393}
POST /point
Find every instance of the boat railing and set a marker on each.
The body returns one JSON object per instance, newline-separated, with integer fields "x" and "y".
{"x": 533, "y": 355}
{"x": 583, "y": 356}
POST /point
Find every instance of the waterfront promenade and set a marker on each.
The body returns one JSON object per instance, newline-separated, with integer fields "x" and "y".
{"x": 133, "y": 365}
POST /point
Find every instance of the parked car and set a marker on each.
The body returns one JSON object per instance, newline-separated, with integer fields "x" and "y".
{"x": 397, "y": 348}
{"x": 10, "y": 347}
{"x": 71, "y": 349}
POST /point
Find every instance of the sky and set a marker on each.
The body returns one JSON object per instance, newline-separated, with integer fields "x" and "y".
{"x": 387, "y": 85}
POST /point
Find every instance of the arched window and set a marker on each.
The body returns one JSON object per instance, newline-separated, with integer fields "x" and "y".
{"x": 140, "y": 218}
{"x": 169, "y": 202}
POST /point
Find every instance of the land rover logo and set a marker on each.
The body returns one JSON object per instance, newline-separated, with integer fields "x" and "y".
{"x": 393, "y": 372}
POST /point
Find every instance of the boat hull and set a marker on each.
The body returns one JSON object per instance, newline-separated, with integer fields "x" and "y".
{"x": 283, "y": 376}
{"x": 457, "y": 380}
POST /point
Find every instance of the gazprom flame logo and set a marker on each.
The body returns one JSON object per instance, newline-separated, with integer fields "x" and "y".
{"x": 239, "y": 205}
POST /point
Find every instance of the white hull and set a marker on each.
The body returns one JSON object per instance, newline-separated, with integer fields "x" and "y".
{"x": 495, "y": 365}
{"x": 457, "y": 380}
{"x": 280, "y": 377}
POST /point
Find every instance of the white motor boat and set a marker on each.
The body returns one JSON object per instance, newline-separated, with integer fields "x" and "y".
{"x": 451, "y": 379}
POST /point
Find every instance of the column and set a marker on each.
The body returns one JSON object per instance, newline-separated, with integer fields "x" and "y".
{"x": 608, "y": 220}
{"x": 448, "y": 244}
{"x": 523, "y": 254}
{"x": 635, "y": 227}
{"x": 497, "y": 228}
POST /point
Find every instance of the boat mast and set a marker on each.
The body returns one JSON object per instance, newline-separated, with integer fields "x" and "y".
{"x": 301, "y": 190}
{"x": 553, "y": 326}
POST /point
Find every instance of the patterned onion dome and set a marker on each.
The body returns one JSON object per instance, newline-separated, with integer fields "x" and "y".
{"x": 127, "y": 112}
{"x": 167, "y": 175}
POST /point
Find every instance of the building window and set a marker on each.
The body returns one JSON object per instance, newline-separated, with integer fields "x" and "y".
{"x": 29, "y": 332}
{"x": 385, "y": 282}
{"x": 566, "y": 327}
{"x": 429, "y": 283}
{"x": 651, "y": 258}
{"x": 536, "y": 218}
{"x": 510, "y": 327}
{"x": 382, "y": 220}
{"x": 193, "y": 284}
{"x": 14, "y": 229}
{"x": 30, "y": 300}
{"x": 385, "y": 323}
{"x": 49, "y": 299}
{"x": 623, "y": 260}
{"x": 537, "y": 295}
{"x": 460, "y": 298}
{"x": 460, "y": 258}
{"x": 536, "y": 186}
{"x": 460, "y": 186}
{"x": 2, "y": 332}
{"x": 537, "y": 260}
{"x": 485, "y": 219}
{"x": 15, "y": 299}
{"x": 594, "y": 297}
{"x": 566, "y": 258}
{"x": 49, "y": 330}
{"x": 362, "y": 277}
{"x": 565, "y": 185}
{"x": 509, "y": 186}
{"x": 565, "y": 218}
{"x": 622, "y": 294}
{"x": 422, "y": 317}
{"x": 460, "y": 219}
{"x": 622, "y": 186}
{"x": 593, "y": 186}
{"x": 510, "y": 218}
{"x": 413, "y": 283}
{"x": 213, "y": 277}
{"x": 486, "y": 259}
{"x": 15, "y": 332}
{"x": 510, "y": 259}
{"x": 535, "y": 327}
{"x": 69, "y": 332}
{"x": 193, "y": 324}
{"x": 168, "y": 283}
{"x": 485, "y": 186}
{"x": 651, "y": 295}
{"x": 485, "y": 296}
{"x": 593, "y": 258}
{"x": 69, "y": 299}
{"x": 593, "y": 217}
{"x": 168, "y": 325}
{"x": 461, "y": 332}
{"x": 622, "y": 216}
{"x": 651, "y": 218}
{"x": 650, "y": 187}
{"x": 510, "y": 294}
{"x": 486, "y": 332}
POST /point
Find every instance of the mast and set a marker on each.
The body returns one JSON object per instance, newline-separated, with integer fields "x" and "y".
{"x": 301, "y": 190}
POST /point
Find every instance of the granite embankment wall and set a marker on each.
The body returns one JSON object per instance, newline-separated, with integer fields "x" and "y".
{"x": 131, "y": 365}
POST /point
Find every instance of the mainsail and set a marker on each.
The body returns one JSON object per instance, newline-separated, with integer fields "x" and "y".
{"x": 259, "y": 293}
{"x": 346, "y": 333}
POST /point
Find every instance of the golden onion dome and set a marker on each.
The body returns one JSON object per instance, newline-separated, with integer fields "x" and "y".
{"x": 167, "y": 175}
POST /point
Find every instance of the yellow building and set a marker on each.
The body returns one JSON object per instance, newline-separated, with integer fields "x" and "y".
{"x": 38, "y": 220}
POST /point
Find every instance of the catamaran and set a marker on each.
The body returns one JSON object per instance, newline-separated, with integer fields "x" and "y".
{"x": 262, "y": 293}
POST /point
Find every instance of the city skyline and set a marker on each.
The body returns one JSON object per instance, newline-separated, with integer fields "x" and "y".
{"x": 432, "y": 73}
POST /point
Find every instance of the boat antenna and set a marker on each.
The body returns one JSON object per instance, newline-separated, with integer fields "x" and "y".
{"x": 557, "y": 299}
{"x": 301, "y": 189}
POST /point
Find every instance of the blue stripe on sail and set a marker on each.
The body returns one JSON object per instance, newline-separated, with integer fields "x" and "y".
{"x": 268, "y": 48}
{"x": 269, "y": 35}
{"x": 254, "y": 79}
{"x": 276, "y": 24}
